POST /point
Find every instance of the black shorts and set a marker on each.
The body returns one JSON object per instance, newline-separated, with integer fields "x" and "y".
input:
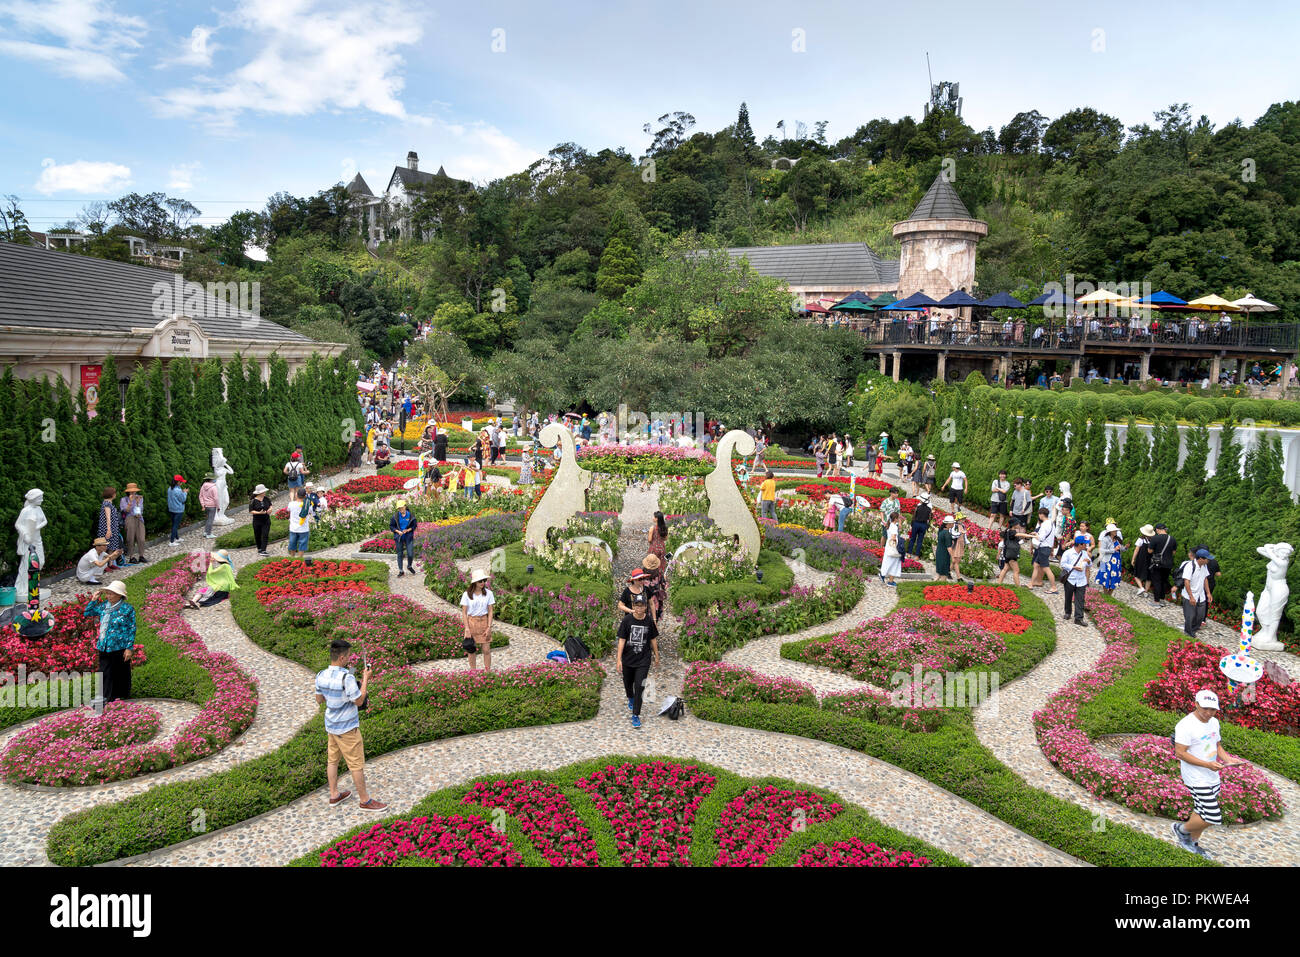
{"x": 1043, "y": 556}
{"x": 957, "y": 495}
{"x": 998, "y": 508}
{"x": 1021, "y": 520}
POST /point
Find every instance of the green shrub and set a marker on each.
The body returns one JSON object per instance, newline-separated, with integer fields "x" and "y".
{"x": 1114, "y": 408}
{"x": 242, "y": 537}
{"x": 777, "y": 577}
{"x": 1202, "y": 412}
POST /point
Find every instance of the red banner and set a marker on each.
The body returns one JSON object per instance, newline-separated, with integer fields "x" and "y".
{"x": 90, "y": 387}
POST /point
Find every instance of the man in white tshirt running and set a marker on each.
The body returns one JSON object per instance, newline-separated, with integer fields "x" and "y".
{"x": 957, "y": 479}
{"x": 1044, "y": 543}
{"x": 1201, "y": 756}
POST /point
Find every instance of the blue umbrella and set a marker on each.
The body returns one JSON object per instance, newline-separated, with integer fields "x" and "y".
{"x": 1002, "y": 300}
{"x": 913, "y": 302}
{"x": 1162, "y": 298}
{"x": 1051, "y": 299}
{"x": 958, "y": 298}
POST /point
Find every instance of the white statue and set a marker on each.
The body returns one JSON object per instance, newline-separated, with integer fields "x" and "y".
{"x": 1272, "y": 602}
{"x": 29, "y": 524}
{"x": 220, "y": 469}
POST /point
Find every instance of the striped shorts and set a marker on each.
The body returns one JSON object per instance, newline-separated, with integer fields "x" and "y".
{"x": 1206, "y": 803}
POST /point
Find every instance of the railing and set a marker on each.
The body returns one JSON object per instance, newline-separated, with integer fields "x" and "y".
{"x": 1071, "y": 336}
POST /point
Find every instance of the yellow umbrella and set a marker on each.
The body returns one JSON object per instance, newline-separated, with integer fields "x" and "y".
{"x": 1212, "y": 302}
{"x": 1101, "y": 295}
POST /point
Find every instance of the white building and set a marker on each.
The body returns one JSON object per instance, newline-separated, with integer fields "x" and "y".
{"x": 385, "y": 217}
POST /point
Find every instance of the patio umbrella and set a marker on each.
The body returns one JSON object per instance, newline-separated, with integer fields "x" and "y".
{"x": 815, "y": 307}
{"x": 915, "y": 301}
{"x": 1101, "y": 295}
{"x": 1163, "y": 300}
{"x": 1249, "y": 303}
{"x": 1002, "y": 300}
{"x": 957, "y": 298}
{"x": 853, "y": 305}
{"x": 1212, "y": 302}
{"x": 1056, "y": 298}
{"x": 884, "y": 299}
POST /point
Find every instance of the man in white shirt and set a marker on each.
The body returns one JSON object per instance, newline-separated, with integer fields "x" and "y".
{"x": 1197, "y": 594}
{"x": 1201, "y": 757}
{"x": 1074, "y": 569}
{"x": 1044, "y": 543}
{"x": 998, "y": 504}
{"x": 957, "y": 479}
{"x": 91, "y": 565}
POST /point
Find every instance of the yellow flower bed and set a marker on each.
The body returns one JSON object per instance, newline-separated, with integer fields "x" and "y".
{"x": 415, "y": 428}
{"x": 802, "y": 528}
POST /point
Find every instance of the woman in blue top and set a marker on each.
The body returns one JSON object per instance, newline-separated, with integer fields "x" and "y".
{"x": 116, "y": 640}
{"x": 176, "y": 506}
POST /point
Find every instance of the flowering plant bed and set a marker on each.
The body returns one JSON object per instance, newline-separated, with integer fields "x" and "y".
{"x": 878, "y": 650}
{"x": 989, "y": 618}
{"x": 35, "y": 756}
{"x": 637, "y": 811}
{"x": 68, "y": 647}
{"x": 453, "y": 841}
{"x": 643, "y": 459}
{"x": 1193, "y": 665}
{"x": 373, "y": 483}
{"x": 309, "y": 588}
{"x": 1141, "y": 779}
{"x": 988, "y": 596}
{"x": 293, "y": 569}
{"x": 78, "y": 747}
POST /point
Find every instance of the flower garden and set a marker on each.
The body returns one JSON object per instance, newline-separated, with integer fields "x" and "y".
{"x": 1106, "y": 729}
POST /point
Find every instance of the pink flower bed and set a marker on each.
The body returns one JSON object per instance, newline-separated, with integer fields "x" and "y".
{"x": 545, "y": 815}
{"x": 877, "y": 649}
{"x": 757, "y": 823}
{"x": 855, "y": 853}
{"x": 651, "y": 808}
{"x": 439, "y": 689}
{"x": 224, "y": 716}
{"x": 739, "y": 684}
{"x": 453, "y": 841}
{"x": 1245, "y": 794}
{"x": 384, "y": 543}
{"x": 70, "y": 739}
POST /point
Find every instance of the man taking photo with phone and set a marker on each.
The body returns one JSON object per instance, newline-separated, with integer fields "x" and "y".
{"x": 337, "y": 690}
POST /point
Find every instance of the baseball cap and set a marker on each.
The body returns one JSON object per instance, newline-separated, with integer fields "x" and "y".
{"x": 1081, "y": 539}
{"x": 1202, "y": 553}
{"x": 1161, "y": 525}
{"x": 639, "y": 599}
{"x": 178, "y": 478}
{"x": 1207, "y": 699}
{"x": 296, "y": 455}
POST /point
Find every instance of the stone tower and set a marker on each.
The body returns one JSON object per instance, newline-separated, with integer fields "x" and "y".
{"x": 938, "y": 244}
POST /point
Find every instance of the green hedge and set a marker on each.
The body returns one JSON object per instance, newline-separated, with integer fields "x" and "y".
{"x": 163, "y": 815}
{"x": 853, "y": 821}
{"x": 242, "y": 537}
{"x": 777, "y": 577}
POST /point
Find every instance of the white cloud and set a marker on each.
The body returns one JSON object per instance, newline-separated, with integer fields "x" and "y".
{"x": 193, "y": 50}
{"x": 83, "y": 39}
{"x": 310, "y": 55}
{"x": 181, "y": 177}
{"x": 479, "y": 151}
{"x": 83, "y": 176}
{"x": 348, "y": 168}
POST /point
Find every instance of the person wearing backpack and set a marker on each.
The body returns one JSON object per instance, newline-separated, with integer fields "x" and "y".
{"x": 300, "y": 514}
{"x": 1197, "y": 591}
{"x": 1163, "y": 550}
{"x": 1009, "y": 554}
{"x": 402, "y": 525}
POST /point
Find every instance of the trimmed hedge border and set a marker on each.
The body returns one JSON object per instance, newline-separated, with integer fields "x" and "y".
{"x": 777, "y": 577}
{"x": 853, "y": 821}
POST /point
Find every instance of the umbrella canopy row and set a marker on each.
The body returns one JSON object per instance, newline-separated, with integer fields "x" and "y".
{"x": 860, "y": 302}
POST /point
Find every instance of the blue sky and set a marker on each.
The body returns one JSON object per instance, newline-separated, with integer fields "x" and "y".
{"x": 228, "y": 101}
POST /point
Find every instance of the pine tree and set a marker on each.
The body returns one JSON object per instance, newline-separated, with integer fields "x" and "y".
{"x": 745, "y": 136}
{"x": 619, "y": 269}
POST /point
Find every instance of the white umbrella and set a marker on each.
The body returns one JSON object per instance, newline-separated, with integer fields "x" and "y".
{"x": 1250, "y": 303}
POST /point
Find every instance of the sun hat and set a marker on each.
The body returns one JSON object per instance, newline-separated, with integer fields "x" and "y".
{"x": 222, "y": 556}
{"x": 478, "y": 576}
{"x": 117, "y": 588}
{"x": 924, "y": 497}
{"x": 651, "y": 562}
{"x": 1205, "y": 698}
{"x": 948, "y": 520}
{"x": 260, "y": 490}
{"x": 100, "y": 541}
{"x": 210, "y": 477}
{"x": 132, "y": 487}
{"x": 956, "y": 465}
{"x": 1147, "y": 529}
{"x": 400, "y": 503}
{"x": 637, "y": 575}
{"x": 1110, "y": 527}
{"x": 929, "y": 458}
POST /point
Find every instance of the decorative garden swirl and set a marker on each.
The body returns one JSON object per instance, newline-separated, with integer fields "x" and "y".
{"x": 565, "y": 497}
{"x": 727, "y": 506}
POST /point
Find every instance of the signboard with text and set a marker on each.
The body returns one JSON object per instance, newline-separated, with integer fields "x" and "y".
{"x": 90, "y": 388}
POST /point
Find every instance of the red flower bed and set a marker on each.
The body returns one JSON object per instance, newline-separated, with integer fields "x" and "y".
{"x": 307, "y": 589}
{"x": 855, "y": 853}
{"x": 371, "y": 483}
{"x": 1193, "y": 665}
{"x": 545, "y": 815}
{"x": 407, "y": 465}
{"x": 453, "y": 841}
{"x": 384, "y": 543}
{"x": 290, "y": 569}
{"x": 990, "y": 596}
{"x": 993, "y": 620}
{"x": 68, "y": 646}
{"x": 651, "y": 808}
{"x": 756, "y": 824}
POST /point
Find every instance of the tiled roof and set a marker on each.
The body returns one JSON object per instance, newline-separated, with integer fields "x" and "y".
{"x": 940, "y": 202}
{"x": 359, "y": 185}
{"x": 829, "y": 265}
{"x": 53, "y": 289}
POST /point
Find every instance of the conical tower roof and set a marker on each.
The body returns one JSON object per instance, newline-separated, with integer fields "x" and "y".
{"x": 941, "y": 202}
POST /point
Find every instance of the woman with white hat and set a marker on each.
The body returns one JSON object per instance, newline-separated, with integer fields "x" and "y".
{"x": 1111, "y": 550}
{"x": 1142, "y": 557}
{"x": 476, "y": 612}
{"x": 942, "y": 555}
{"x": 116, "y": 641}
{"x": 260, "y": 508}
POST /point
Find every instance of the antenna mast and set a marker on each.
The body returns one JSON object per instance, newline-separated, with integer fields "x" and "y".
{"x": 929, "y": 76}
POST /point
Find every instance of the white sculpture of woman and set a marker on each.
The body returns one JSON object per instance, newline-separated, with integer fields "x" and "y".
{"x": 1272, "y": 602}
{"x": 220, "y": 469}
{"x": 29, "y": 524}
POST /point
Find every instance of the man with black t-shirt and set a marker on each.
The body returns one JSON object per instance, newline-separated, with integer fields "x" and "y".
{"x": 1163, "y": 552}
{"x": 920, "y": 523}
{"x": 638, "y": 640}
